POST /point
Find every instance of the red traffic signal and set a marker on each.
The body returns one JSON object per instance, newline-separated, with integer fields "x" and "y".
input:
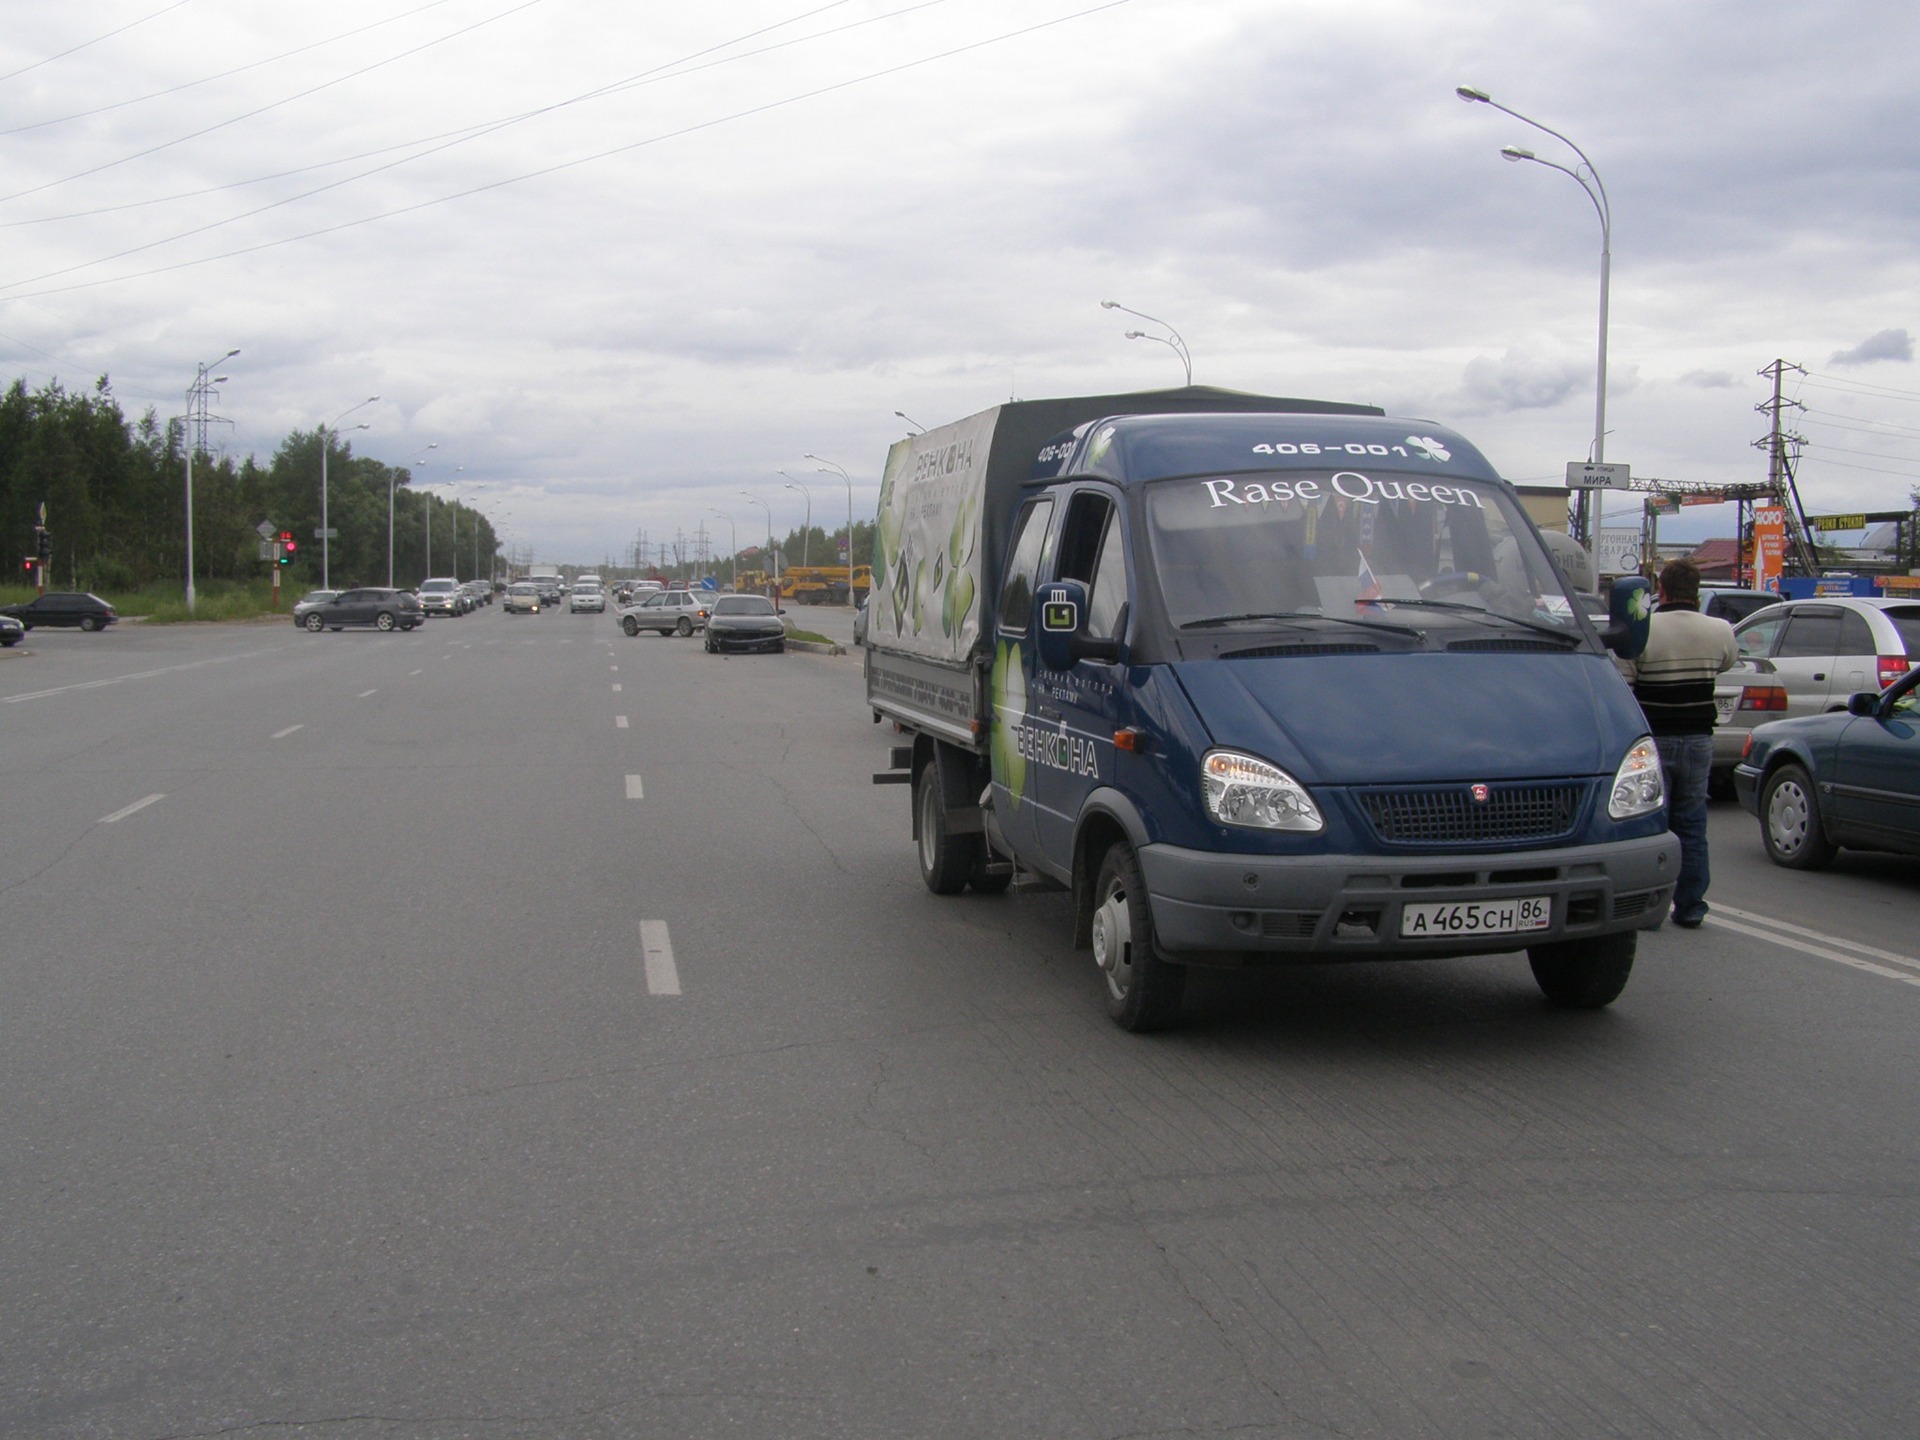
{"x": 286, "y": 547}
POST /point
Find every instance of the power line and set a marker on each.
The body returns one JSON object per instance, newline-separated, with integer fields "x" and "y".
{"x": 225, "y": 74}
{"x": 1856, "y": 387}
{"x": 84, "y": 44}
{"x": 274, "y": 105}
{"x": 647, "y": 76}
{"x": 564, "y": 165}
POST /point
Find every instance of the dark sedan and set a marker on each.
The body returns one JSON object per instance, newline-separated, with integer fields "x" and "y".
{"x": 89, "y": 612}
{"x": 11, "y": 630}
{"x": 382, "y": 609}
{"x": 1847, "y": 778}
{"x": 745, "y": 622}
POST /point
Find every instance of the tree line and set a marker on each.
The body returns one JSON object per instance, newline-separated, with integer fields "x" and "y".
{"x": 115, "y": 498}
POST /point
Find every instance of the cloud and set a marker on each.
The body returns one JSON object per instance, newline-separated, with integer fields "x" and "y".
{"x": 1533, "y": 375}
{"x": 1710, "y": 379}
{"x": 1885, "y": 345}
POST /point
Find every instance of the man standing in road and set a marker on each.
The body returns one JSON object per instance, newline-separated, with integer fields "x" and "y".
{"x": 1673, "y": 680}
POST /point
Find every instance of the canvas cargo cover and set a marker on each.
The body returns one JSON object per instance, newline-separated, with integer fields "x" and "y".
{"x": 948, "y": 495}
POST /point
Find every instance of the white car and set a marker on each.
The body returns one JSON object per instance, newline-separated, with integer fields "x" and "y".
{"x": 587, "y": 597}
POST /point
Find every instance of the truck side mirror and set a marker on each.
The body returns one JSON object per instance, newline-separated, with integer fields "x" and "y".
{"x": 1629, "y": 617}
{"x": 1059, "y": 620}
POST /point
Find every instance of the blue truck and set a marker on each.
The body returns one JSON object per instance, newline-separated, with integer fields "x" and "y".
{"x": 1260, "y": 679}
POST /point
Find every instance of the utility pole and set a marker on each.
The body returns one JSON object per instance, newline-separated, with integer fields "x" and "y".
{"x": 1780, "y": 465}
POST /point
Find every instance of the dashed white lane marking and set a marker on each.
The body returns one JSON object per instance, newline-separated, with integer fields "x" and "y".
{"x": 616, "y": 689}
{"x": 282, "y": 734}
{"x": 663, "y": 977}
{"x": 619, "y": 722}
{"x": 137, "y": 805}
{"x": 412, "y": 673}
{"x": 634, "y": 792}
{"x": 1783, "y": 934}
{"x": 365, "y": 693}
{"x": 136, "y": 675}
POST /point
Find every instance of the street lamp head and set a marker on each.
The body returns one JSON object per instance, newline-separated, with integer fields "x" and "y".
{"x": 228, "y": 356}
{"x": 1472, "y": 96}
{"x": 218, "y": 380}
{"x": 1139, "y": 335}
{"x": 1517, "y": 153}
{"x": 1109, "y": 304}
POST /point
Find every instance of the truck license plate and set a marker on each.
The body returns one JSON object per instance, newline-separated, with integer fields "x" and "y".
{"x": 1476, "y": 917}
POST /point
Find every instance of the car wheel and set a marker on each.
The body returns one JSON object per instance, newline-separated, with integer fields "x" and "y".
{"x": 1790, "y": 821}
{"x": 1584, "y": 974}
{"x": 315, "y": 624}
{"x": 384, "y": 621}
{"x": 684, "y": 628}
{"x": 89, "y": 623}
{"x": 945, "y": 860}
{"x": 630, "y": 625}
{"x": 712, "y": 649}
{"x": 779, "y": 647}
{"x": 1143, "y": 991}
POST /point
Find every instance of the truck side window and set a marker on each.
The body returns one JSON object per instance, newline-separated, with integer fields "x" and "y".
{"x": 1107, "y": 595}
{"x": 1023, "y": 564}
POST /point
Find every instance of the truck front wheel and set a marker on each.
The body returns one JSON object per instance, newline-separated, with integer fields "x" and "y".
{"x": 1143, "y": 991}
{"x": 946, "y": 861}
{"x": 1584, "y": 974}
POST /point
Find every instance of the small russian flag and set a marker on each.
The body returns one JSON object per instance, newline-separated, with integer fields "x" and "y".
{"x": 1369, "y": 586}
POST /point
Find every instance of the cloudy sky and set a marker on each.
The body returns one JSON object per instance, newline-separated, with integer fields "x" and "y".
{"x": 623, "y": 260}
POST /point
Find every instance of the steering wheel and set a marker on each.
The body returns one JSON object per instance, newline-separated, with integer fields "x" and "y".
{"x": 1453, "y": 582}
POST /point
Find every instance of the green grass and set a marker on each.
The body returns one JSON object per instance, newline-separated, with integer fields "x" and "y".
{"x": 808, "y": 636}
{"x": 167, "y": 604}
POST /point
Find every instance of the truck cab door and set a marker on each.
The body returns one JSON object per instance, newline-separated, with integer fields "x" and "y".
{"x": 1014, "y": 665}
{"x": 1075, "y": 710}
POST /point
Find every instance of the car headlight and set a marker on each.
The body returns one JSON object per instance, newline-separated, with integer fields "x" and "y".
{"x": 1639, "y": 788}
{"x": 1243, "y": 790}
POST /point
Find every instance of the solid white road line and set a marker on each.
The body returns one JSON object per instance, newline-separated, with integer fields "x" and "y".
{"x": 282, "y": 734}
{"x": 634, "y": 792}
{"x": 1789, "y": 943}
{"x": 137, "y": 805}
{"x": 619, "y": 722}
{"x": 1757, "y": 919}
{"x": 663, "y": 978}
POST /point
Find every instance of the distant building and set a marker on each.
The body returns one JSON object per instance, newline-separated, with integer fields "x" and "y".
{"x": 1716, "y": 559}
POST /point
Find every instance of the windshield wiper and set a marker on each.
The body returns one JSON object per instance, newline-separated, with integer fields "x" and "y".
{"x": 1482, "y": 612}
{"x": 1215, "y": 620}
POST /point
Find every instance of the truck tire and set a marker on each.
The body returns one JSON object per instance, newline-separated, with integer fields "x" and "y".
{"x": 1143, "y": 991}
{"x": 1584, "y": 974}
{"x": 1790, "y": 821}
{"x": 945, "y": 860}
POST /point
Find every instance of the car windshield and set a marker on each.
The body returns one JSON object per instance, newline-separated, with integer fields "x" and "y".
{"x": 437, "y": 587}
{"x": 1379, "y": 547}
{"x": 743, "y": 605}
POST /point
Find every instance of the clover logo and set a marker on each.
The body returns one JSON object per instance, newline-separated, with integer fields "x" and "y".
{"x": 1429, "y": 448}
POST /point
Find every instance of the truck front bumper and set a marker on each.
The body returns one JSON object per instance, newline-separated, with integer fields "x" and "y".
{"x": 1238, "y": 907}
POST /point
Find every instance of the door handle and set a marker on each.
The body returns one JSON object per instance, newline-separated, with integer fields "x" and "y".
{"x": 1047, "y": 712}
{"x": 1819, "y": 677}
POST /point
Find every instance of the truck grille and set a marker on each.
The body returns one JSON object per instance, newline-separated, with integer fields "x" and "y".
{"x": 1449, "y": 815}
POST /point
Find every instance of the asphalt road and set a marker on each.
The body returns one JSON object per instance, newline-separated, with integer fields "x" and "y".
{"x": 516, "y": 1030}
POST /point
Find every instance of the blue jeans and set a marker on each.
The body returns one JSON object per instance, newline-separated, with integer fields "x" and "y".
{"x": 1685, "y": 761}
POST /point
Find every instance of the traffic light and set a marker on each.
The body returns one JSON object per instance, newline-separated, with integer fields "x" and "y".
{"x": 286, "y": 547}
{"x": 43, "y": 542}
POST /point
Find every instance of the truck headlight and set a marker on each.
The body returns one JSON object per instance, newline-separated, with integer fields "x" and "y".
{"x": 1243, "y": 790}
{"x": 1639, "y": 788}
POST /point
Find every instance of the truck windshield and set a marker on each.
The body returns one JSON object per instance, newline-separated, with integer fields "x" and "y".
{"x": 1377, "y": 545}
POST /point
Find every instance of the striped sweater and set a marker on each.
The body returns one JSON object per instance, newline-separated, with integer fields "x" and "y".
{"x": 1673, "y": 677}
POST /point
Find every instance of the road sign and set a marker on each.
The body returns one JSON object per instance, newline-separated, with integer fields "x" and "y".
{"x": 265, "y": 529}
{"x": 1837, "y": 522}
{"x": 1581, "y": 475}
{"x": 320, "y": 534}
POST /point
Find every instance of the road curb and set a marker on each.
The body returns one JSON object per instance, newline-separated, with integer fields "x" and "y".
{"x": 816, "y": 647}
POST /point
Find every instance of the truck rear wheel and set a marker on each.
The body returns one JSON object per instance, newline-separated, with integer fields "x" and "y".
{"x": 1143, "y": 991}
{"x": 1584, "y": 974}
{"x": 946, "y": 861}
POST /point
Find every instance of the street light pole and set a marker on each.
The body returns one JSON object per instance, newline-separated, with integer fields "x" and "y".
{"x": 829, "y": 468}
{"x": 806, "y": 535}
{"x": 733, "y": 539}
{"x": 197, "y": 409}
{"x": 325, "y": 566}
{"x": 1176, "y": 344}
{"x": 393, "y": 475}
{"x": 769, "y": 509}
{"x": 1596, "y": 192}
